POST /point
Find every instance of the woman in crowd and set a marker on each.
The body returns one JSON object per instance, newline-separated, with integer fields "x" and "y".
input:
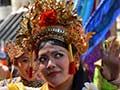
{"x": 52, "y": 31}
{"x": 56, "y": 33}
{"x": 6, "y": 67}
{"x": 107, "y": 73}
{"x": 21, "y": 58}
{"x": 58, "y": 68}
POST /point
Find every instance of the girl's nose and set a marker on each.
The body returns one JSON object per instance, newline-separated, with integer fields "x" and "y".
{"x": 51, "y": 64}
{"x": 35, "y": 65}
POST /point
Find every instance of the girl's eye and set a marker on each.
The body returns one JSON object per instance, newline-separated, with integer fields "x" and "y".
{"x": 43, "y": 59}
{"x": 58, "y": 55}
{"x": 25, "y": 60}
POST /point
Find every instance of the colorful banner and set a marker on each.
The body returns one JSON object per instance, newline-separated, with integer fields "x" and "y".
{"x": 84, "y": 8}
{"x": 101, "y": 21}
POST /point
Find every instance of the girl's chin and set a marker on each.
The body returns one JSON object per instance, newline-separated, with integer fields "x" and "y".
{"x": 55, "y": 84}
{"x": 29, "y": 78}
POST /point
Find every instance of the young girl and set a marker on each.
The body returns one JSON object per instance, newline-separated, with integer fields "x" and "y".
{"x": 21, "y": 59}
{"x": 52, "y": 30}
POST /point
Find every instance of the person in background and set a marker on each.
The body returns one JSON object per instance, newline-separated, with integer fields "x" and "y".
{"x": 4, "y": 69}
{"x": 107, "y": 72}
{"x": 6, "y": 66}
{"x": 20, "y": 58}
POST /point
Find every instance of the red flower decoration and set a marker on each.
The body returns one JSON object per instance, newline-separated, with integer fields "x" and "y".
{"x": 48, "y": 18}
{"x": 72, "y": 68}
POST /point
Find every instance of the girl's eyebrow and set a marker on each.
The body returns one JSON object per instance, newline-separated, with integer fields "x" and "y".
{"x": 24, "y": 57}
{"x": 55, "y": 50}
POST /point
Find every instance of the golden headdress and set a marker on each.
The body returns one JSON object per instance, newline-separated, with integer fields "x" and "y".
{"x": 47, "y": 19}
{"x": 13, "y": 50}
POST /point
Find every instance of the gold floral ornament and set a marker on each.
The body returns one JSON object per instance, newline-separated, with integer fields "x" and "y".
{"x": 13, "y": 50}
{"x": 52, "y": 19}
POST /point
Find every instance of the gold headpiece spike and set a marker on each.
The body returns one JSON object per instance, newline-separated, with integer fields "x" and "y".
{"x": 71, "y": 53}
{"x": 72, "y": 65}
{"x": 31, "y": 64}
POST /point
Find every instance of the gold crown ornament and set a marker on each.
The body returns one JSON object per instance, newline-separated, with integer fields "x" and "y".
{"x": 13, "y": 50}
{"x": 54, "y": 19}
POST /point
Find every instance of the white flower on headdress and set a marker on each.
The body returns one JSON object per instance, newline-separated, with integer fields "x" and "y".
{"x": 89, "y": 86}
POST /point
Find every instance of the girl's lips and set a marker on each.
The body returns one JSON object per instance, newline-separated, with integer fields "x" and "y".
{"x": 33, "y": 72}
{"x": 53, "y": 73}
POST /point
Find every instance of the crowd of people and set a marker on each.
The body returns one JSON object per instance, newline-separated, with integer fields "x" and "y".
{"x": 48, "y": 48}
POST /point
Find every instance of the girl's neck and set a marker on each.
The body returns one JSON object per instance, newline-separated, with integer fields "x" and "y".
{"x": 67, "y": 85}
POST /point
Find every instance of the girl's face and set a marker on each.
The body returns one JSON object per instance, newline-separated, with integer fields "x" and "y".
{"x": 54, "y": 64}
{"x": 24, "y": 64}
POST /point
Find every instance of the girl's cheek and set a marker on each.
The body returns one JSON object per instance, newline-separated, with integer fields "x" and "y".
{"x": 19, "y": 64}
{"x": 42, "y": 67}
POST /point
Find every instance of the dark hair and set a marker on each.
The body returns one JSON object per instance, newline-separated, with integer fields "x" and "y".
{"x": 56, "y": 42}
{"x": 79, "y": 79}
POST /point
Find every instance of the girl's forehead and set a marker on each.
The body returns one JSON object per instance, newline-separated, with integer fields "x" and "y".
{"x": 51, "y": 48}
{"x": 25, "y": 55}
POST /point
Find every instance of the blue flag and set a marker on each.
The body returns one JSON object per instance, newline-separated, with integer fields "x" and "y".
{"x": 101, "y": 21}
{"x": 84, "y": 8}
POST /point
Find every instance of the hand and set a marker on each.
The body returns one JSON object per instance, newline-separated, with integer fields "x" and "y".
{"x": 4, "y": 71}
{"x": 110, "y": 66}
